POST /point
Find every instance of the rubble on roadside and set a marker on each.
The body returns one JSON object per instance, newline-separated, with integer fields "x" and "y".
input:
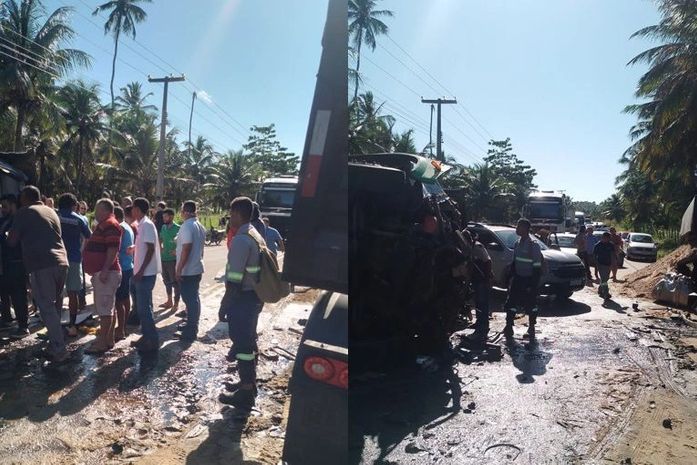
{"x": 641, "y": 283}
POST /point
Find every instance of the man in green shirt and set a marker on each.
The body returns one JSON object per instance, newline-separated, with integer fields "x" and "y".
{"x": 168, "y": 243}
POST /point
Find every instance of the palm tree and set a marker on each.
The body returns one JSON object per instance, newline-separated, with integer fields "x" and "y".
{"x": 199, "y": 157}
{"x": 234, "y": 174}
{"x": 123, "y": 17}
{"x": 404, "y": 142}
{"x": 365, "y": 26}
{"x": 613, "y": 208}
{"x": 371, "y": 131}
{"x": 85, "y": 128}
{"x": 27, "y": 80}
{"x": 483, "y": 188}
{"x": 133, "y": 100}
{"x": 666, "y": 132}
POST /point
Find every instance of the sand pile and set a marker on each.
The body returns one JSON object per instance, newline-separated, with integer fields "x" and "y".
{"x": 641, "y": 282}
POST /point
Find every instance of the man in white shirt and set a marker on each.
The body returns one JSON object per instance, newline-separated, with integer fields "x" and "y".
{"x": 191, "y": 240}
{"x": 146, "y": 267}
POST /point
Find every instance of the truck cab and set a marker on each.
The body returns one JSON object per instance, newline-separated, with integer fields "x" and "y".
{"x": 275, "y": 198}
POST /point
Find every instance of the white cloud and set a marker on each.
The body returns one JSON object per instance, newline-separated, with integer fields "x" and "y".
{"x": 205, "y": 96}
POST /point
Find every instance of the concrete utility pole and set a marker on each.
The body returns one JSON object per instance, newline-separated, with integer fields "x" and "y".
{"x": 439, "y": 134}
{"x": 163, "y": 129}
{"x": 191, "y": 117}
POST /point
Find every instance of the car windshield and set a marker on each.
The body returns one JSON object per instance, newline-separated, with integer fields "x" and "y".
{"x": 644, "y": 238}
{"x": 566, "y": 241}
{"x": 433, "y": 188}
{"x": 509, "y": 238}
{"x": 277, "y": 198}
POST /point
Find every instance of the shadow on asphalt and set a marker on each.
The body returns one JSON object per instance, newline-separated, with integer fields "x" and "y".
{"x": 222, "y": 446}
{"x": 403, "y": 402}
{"x": 27, "y": 392}
{"x": 529, "y": 359}
{"x": 548, "y": 306}
{"x": 612, "y": 305}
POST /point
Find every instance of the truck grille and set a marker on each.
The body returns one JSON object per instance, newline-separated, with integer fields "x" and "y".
{"x": 570, "y": 272}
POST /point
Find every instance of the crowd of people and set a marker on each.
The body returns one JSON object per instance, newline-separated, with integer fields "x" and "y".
{"x": 600, "y": 253}
{"x": 47, "y": 251}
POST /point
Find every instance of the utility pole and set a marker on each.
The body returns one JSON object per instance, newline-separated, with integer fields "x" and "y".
{"x": 191, "y": 117}
{"x": 430, "y": 132}
{"x": 439, "y": 134}
{"x": 163, "y": 129}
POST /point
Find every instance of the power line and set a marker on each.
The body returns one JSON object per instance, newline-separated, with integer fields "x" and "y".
{"x": 392, "y": 76}
{"x": 438, "y": 82}
{"x": 412, "y": 116}
{"x": 418, "y": 75}
{"x": 29, "y": 64}
{"x": 197, "y": 87}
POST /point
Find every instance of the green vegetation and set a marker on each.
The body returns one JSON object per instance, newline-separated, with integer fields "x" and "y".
{"x": 60, "y": 132}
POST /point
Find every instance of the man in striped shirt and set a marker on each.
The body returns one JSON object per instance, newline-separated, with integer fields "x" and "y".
{"x": 242, "y": 305}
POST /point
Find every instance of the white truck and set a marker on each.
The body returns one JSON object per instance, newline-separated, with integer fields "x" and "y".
{"x": 548, "y": 210}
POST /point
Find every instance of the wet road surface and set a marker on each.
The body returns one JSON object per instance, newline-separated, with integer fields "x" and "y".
{"x": 596, "y": 387}
{"x": 127, "y": 408}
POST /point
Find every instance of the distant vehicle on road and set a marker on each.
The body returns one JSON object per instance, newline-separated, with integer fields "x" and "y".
{"x": 275, "y": 199}
{"x": 566, "y": 242}
{"x": 640, "y": 246}
{"x": 563, "y": 272}
{"x": 547, "y": 210}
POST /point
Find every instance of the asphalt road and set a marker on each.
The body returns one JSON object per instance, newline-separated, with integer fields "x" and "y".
{"x": 126, "y": 408}
{"x": 594, "y": 388}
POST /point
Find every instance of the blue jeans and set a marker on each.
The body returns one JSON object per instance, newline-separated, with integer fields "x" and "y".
{"x": 144, "y": 288}
{"x": 189, "y": 293}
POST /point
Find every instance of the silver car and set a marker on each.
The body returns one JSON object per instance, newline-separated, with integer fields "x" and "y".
{"x": 639, "y": 246}
{"x": 563, "y": 273}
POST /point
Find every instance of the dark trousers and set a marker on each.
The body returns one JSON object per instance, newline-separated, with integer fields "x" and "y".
{"x": 481, "y": 302}
{"x": 13, "y": 290}
{"x": 243, "y": 314}
{"x": 586, "y": 262}
{"x": 189, "y": 292}
{"x": 522, "y": 295}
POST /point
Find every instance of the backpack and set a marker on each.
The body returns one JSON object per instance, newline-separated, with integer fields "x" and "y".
{"x": 269, "y": 286}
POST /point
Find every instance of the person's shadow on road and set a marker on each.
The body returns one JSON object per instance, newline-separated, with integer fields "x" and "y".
{"x": 529, "y": 359}
{"x": 222, "y": 446}
{"x": 612, "y": 305}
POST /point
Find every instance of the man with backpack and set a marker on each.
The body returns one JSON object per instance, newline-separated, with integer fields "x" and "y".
{"x": 242, "y": 305}
{"x": 526, "y": 274}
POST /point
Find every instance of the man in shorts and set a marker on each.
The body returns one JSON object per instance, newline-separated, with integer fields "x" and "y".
{"x": 74, "y": 230}
{"x": 101, "y": 261}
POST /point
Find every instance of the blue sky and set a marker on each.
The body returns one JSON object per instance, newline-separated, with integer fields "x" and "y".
{"x": 256, "y": 59}
{"x": 549, "y": 74}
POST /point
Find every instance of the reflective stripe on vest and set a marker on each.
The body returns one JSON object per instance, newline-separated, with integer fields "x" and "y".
{"x": 245, "y": 357}
{"x": 234, "y": 276}
{"x": 253, "y": 269}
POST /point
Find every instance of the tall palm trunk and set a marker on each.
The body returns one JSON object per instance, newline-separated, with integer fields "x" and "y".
{"x": 358, "y": 63}
{"x": 21, "y": 116}
{"x": 113, "y": 67}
